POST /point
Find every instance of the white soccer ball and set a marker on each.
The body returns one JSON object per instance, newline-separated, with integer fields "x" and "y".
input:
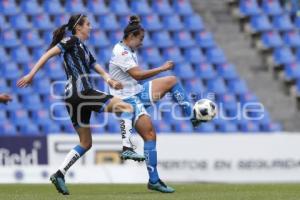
{"x": 205, "y": 110}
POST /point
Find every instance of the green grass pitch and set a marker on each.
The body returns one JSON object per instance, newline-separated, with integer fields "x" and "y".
{"x": 139, "y": 192}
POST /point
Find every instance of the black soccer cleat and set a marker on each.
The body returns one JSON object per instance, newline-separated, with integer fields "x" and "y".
{"x": 59, "y": 183}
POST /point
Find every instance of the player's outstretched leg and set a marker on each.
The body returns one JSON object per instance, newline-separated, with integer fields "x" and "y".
{"x": 161, "y": 86}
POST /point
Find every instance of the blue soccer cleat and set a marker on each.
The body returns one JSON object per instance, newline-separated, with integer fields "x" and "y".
{"x": 129, "y": 153}
{"x": 160, "y": 187}
{"x": 59, "y": 183}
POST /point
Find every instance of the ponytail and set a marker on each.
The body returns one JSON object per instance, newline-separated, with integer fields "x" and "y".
{"x": 133, "y": 27}
{"x": 58, "y": 35}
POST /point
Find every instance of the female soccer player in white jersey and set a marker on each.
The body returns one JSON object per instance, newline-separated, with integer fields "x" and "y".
{"x": 80, "y": 96}
{"x": 124, "y": 67}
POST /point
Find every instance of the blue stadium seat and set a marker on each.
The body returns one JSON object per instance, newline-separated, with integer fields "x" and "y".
{"x": 183, "y": 39}
{"x": 216, "y": 85}
{"x": 97, "y": 7}
{"x": 237, "y": 86}
{"x": 271, "y": 127}
{"x": 109, "y": 22}
{"x": 283, "y": 56}
{"x": 151, "y": 55}
{"x": 282, "y": 23}
{"x": 42, "y": 86}
{"x": 41, "y": 116}
{"x": 162, "y": 39}
{"x": 183, "y": 126}
{"x": 8, "y": 128}
{"x": 227, "y": 127}
{"x": 193, "y": 23}
{"x": 248, "y": 126}
{"x": 99, "y": 39}
{"x": 4, "y": 23}
{"x": 272, "y": 7}
{"x": 119, "y": 7}
{"x": 50, "y": 128}
{"x": 247, "y": 97}
{"x": 271, "y": 39}
{"x": 204, "y": 39}
{"x": 194, "y": 55}
{"x": 291, "y": 38}
{"x": 20, "y": 22}
{"x": 184, "y": 70}
{"x": 147, "y": 42}
{"x": 228, "y": 102}
{"x": 194, "y": 86}
{"x": 9, "y": 38}
{"x": 93, "y": 21}
{"x": 173, "y": 53}
{"x": 67, "y": 127}
{"x": 249, "y": 7}
{"x": 47, "y": 37}
{"x": 297, "y": 21}
{"x": 115, "y": 36}
{"x": 14, "y": 105}
{"x": 42, "y": 22}
{"x": 260, "y": 23}
{"x": 205, "y": 71}
{"x": 75, "y": 6}
{"x": 292, "y": 71}
{"x": 227, "y": 71}
{"x": 53, "y": 7}
{"x": 172, "y": 23}
{"x": 20, "y": 55}
{"x": 32, "y": 102}
{"x": 11, "y": 70}
{"x": 54, "y": 69}
{"x": 140, "y": 7}
{"x": 31, "y": 7}
{"x": 60, "y": 19}
{"x": 205, "y": 128}
{"x": 20, "y": 117}
{"x": 162, "y": 127}
{"x": 216, "y": 55}
{"x": 31, "y": 38}
{"x": 162, "y": 7}
{"x": 4, "y": 57}
{"x": 8, "y": 7}
{"x": 29, "y": 129}
{"x": 183, "y": 7}
{"x": 104, "y": 55}
{"x": 151, "y": 22}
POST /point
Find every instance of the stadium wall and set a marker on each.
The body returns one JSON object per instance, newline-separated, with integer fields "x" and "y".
{"x": 231, "y": 158}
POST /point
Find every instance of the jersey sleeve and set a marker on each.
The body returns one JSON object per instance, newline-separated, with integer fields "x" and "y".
{"x": 67, "y": 43}
{"x": 124, "y": 60}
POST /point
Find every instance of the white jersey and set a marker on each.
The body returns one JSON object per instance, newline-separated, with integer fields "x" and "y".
{"x": 123, "y": 59}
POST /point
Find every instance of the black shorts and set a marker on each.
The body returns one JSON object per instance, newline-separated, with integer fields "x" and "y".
{"x": 81, "y": 104}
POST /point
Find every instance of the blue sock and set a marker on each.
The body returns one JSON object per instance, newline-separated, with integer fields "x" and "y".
{"x": 180, "y": 96}
{"x": 151, "y": 160}
{"x": 80, "y": 150}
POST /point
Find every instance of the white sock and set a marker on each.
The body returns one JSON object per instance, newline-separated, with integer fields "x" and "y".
{"x": 70, "y": 159}
{"x": 126, "y": 131}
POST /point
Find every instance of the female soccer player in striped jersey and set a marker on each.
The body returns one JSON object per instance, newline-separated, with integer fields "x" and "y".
{"x": 124, "y": 67}
{"x": 80, "y": 96}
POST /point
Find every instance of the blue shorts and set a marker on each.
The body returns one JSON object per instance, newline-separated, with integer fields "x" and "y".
{"x": 141, "y": 101}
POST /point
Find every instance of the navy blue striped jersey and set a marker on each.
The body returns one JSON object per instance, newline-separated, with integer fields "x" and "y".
{"x": 78, "y": 62}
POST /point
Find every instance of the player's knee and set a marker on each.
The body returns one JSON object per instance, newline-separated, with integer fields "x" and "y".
{"x": 86, "y": 144}
{"x": 151, "y": 135}
{"x": 172, "y": 80}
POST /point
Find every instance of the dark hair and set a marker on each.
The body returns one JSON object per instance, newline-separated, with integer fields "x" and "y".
{"x": 60, "y": 32}
{"x": 133, "y": 27}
